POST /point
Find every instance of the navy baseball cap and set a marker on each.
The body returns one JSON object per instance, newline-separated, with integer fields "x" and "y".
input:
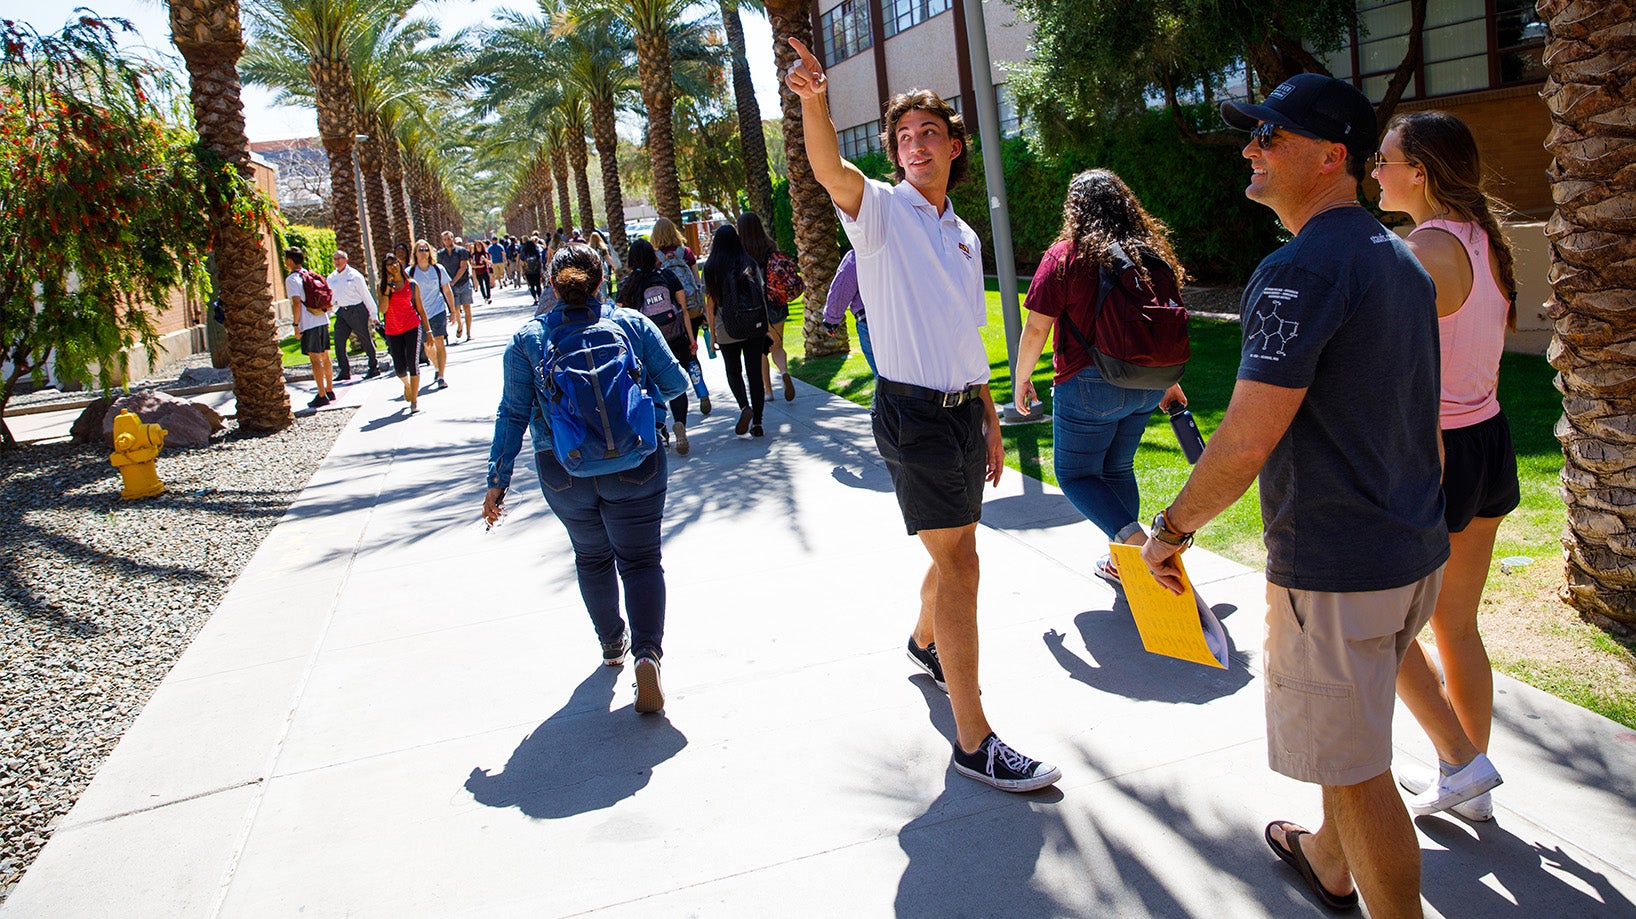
{"x": 1311, "y": 103}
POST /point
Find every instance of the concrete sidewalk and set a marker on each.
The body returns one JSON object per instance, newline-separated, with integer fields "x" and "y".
{"x": 397, "y": 713}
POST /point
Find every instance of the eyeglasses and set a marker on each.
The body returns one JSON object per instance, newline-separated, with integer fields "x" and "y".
{"x": 423, "y": 249}
{"x": 1264, "y": 133}
{"x": 1380, "y": 162}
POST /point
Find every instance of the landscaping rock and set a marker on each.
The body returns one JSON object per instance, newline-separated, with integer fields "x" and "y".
{"x": 186, "y": 424}
{"x": 87, "y": 427}
{"x": 204, "y": 376}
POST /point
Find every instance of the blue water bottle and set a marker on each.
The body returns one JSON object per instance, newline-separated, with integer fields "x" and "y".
{"x": 1187, "y": 432}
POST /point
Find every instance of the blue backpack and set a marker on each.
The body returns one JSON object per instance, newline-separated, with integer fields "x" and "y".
{"x": 597, "y": 407}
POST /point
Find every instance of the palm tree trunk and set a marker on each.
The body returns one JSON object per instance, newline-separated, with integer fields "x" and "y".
{"x": 397, "y": 205}
{"x": 604, "y": 132}
{"x": 579, "y": 158}
{"x": 814, "y": 214}
{"x": 653, "y": 72}
{"x": 210, "y": 37}
{"x": 371, "y": 163}
{"x": 1593, "y": 282}
{"x": 752, "y": 140}
{"x": 559, "y": 171}
{"x": 337, "y": 119}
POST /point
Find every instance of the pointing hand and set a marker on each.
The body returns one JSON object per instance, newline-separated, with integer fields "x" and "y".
{"x": 806, "y": 78}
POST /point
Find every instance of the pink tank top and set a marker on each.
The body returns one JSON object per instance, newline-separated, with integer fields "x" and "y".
{"x": 1473, "y": 336}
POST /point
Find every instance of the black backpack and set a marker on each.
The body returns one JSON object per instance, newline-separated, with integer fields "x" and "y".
{"x": 1138, "y": 328}
{"x": 744, "y": 303}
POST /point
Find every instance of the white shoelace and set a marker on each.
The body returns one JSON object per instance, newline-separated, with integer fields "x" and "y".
{"x": 1010, "y": 758}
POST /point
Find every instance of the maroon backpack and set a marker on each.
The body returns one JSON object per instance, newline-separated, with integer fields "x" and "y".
{"x": 315, "y": 292}
{"x": 1138, "y": 328}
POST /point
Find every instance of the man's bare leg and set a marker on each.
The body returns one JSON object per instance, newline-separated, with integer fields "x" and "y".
{"x": 1367, "y": 838}
{"x": 952, "y": 582}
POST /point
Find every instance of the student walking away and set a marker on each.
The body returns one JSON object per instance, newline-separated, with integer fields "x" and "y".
{"x": 1110, "y": 277}
{"x": 610, "y": 265}
{"x": 1335, "y": 409}
{"x": 598, "y": 459}
{"x": 532, "y": 258}
{"x": 514, "y": 262}
{"x": 921, "y": 272}
{"x": 455, "y": 260}
{"x": 311, "y": 301}
{"x": 355, "y": 315}
{"x": 480, "y": 268}
{"x": 735, "y": 309}
{"x": 436, "y": 294}
{"x": 1428, "y": 169}
{"x": 843, "y": 296}
{"x": 658, "y": 295}
{"x": 676, "y": 258}
{"x": 497, "y": 260}
{"x": 404, "y": 325}
{"x": 783, "y": 283}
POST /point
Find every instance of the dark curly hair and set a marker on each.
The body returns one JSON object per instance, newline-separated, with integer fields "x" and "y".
{"x": 576, "y": 272}
{"x": 1100, "y": 210}
{"x": 924, "y": 100}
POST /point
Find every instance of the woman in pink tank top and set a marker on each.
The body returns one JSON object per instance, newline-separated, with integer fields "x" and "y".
{"x": 1428, "y": 169}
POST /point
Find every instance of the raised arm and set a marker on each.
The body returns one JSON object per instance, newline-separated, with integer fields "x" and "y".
{"x": 843, "y": 181}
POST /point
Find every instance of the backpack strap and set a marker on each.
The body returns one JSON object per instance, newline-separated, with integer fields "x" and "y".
{"x": 1104, "y": 285}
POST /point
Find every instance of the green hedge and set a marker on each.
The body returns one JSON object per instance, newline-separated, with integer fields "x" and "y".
{"x": 317, "y": 242}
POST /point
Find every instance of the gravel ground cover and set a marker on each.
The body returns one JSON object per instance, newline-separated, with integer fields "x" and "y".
{"x": 98, "y": 597}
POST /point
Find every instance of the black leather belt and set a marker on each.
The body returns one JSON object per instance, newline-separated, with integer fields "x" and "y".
{"x": 937, "y": 396}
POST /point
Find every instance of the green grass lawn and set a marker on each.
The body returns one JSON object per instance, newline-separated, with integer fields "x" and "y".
{"x": 291, "y": 350}
{"x": 1526, "y": 391}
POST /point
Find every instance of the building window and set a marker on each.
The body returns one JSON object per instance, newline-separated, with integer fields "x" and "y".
{"x": 859, "y": 139}
{"x": 904, "y": 14}
{"x": 1468, "y": 45}
{"x": 845, "y": 30}
{"x": 1010, "y": 119}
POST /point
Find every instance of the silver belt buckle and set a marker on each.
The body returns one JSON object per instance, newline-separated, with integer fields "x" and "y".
{"x": 953, "y": 399}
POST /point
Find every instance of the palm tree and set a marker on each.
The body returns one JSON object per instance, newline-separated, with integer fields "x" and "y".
{"x": 597, "y": 58}
{"x": 1593, "y": 246}
{"x": 573, "y": 112}
{"x": 752, "y": 140}
{"x": 320, "y": 34}
{"x": 815, "y": 225}
{"x": 211, "y": 40}
{"x": 653, "y": 22}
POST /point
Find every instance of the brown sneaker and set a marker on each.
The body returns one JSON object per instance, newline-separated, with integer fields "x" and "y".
{"x": 649, "y": 697}
{"x": 789, "y": 388}
{"x": 681, "y": 439}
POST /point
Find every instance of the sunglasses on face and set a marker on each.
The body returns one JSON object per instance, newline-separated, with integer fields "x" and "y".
{"x": 1264, "y": 133}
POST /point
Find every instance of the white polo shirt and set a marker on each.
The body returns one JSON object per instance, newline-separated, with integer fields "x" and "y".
{"x": 921, "y": 274}
{"x": 305, "y": 319}
{"x": 349, "y": 288}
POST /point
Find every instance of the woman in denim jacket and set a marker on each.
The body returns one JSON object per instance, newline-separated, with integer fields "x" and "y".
{"x": 610, "y": 509}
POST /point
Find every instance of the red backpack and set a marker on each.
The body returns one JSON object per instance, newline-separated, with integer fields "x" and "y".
{"x": 783, "y": 279}
{"x": 315, "y": 292}
{"x": 1138, "y": 328}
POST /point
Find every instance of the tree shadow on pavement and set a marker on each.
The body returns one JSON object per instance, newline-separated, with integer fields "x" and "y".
{"x": 1120, "y": 665}
{"x": 1458, "y": 879}
{"x": 974, "y": 852}
{"x": 583, "y": 758}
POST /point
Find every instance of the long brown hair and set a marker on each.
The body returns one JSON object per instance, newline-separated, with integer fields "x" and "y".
{"x": 1442, "y": 146}
{"x": 1099, "y": 211}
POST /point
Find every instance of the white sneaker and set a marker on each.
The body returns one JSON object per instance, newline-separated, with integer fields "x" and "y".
{"x": 1458, "y": 792}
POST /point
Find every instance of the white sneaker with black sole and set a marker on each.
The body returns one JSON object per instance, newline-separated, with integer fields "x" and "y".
{"x": 1466, "y": 792}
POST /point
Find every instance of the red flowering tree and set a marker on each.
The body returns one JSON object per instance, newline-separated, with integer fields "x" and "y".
{"x": 104, "y": 198}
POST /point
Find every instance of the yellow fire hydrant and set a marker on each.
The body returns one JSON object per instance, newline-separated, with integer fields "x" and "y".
{"x": 135, "y": 447}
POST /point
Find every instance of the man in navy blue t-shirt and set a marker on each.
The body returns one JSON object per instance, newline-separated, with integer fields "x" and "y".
{"x": 1336, "y": 410}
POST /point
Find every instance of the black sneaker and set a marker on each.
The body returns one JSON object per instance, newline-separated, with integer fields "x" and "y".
{"x": 996, "y": 764}
{"x": 613, "y": 652}
{"x": 926, "y": 659}
{"x": 649, "y": 697}
{"x": 318, "y": 401}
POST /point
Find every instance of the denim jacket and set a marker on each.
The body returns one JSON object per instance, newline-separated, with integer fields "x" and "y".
{"x": 523, "y": 406}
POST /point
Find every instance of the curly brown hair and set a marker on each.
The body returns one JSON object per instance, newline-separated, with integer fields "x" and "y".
{"x": 1099, "y": 211}
{"x": 576, "y": 272}
{"x": 924, "y": 100}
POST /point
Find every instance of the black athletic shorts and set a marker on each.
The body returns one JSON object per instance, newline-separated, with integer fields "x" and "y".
{"x": 936, "y": 457}
{"x": 315, "y": 340}
{"x": 1479, "y": 472}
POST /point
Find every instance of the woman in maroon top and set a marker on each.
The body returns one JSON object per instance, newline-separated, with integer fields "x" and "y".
{"x": 1096, "y": 426}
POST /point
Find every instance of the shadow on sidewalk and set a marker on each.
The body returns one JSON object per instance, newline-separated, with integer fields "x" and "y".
{"x": 583, "y": 758}
{"x": 1531, "y": 873}
{"x": 974, "y": 852}
{"x": 1121, "y": 665}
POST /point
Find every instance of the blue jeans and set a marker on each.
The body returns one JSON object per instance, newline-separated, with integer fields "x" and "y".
{"x": 613, "y": 522}
{"x": 1096, "y": 428}
{"x": 863, "y": 345}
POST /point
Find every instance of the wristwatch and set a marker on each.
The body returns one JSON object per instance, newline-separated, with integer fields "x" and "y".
{"x": 1169, "y": 535}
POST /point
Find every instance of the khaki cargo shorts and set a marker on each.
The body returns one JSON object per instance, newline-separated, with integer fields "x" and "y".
{"x": 1332, "y": 661}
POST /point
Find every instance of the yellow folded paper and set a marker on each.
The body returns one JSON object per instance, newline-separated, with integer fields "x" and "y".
{"x": 1175, "y": 625}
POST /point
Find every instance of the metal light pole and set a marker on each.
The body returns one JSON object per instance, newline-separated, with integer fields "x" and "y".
{"x": 363, "y": 215}
{"x": 999, "y": 213}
